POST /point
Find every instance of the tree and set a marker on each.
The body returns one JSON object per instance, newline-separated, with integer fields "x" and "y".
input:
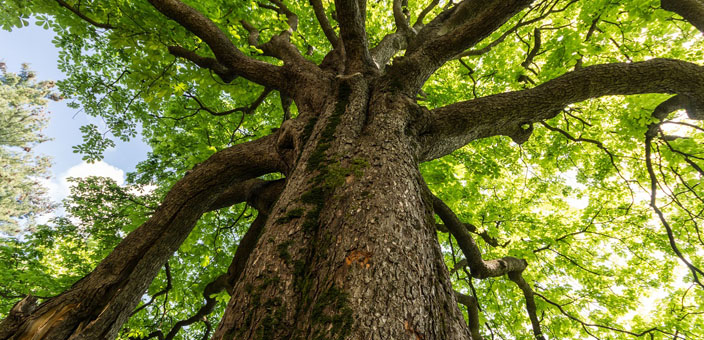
{"x": 382, "y": 163}
{"x": 23, "y": 101}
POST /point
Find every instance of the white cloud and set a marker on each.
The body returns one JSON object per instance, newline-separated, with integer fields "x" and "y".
{"x": 60, "y": 187}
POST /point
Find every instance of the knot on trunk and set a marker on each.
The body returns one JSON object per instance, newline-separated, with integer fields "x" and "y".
{"x": 520, "y": 132}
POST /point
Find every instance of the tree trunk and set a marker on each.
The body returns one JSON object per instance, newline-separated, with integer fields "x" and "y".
{"x": 350, "y": 250}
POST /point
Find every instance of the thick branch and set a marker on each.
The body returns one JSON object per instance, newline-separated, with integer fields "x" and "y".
{"x": 511, "y": 113}
{"x": 118, "y": 282}
{"x": 401, "y": 19}
{"x": 351, "y": 17}
{"x": 424, "y": 12}
{"x": 279, "y": 46}
{"x": 690, "y": 10}
{"x": 256, "y": 192}
{"x": 387, "y": 48}
{"x": 392, "y": 43}
{"x": 492, "y": 241}
{"x": 450, "y": 33}
{"x": 517, "y": 278}
{"x": 262, "y": 198}
{"x": 533, "y": 51}
{"x": 679, "y": 102}
{"x": 481, "y": 269}
{"x": 225, "y": 51}
{"x": 472, "y": 313}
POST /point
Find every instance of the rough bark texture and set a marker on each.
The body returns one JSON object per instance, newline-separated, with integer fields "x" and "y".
{"x": 339, "y": 261}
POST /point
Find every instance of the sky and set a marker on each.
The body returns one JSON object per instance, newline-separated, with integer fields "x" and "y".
{"x": 33, "y": 45}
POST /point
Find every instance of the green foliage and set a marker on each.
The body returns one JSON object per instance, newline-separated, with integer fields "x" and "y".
{"x": 578, "y": 212}
{"x": 23, "y": 102}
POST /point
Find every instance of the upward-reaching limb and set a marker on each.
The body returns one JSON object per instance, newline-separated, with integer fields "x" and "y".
{"x": 278, "y": 46}
{"x": 324, "y": 23}
{"x": 451, "y": 32}
{"x": 351, "y": 17}
{"x": 259, "y": 194}
{"x": 481, "y": 269}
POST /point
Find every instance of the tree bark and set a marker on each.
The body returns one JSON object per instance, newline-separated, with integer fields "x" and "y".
{"x": 690, "y": 10}
{"x": 350, "y": 250}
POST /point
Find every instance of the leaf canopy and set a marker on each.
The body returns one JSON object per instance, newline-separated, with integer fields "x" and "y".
{"x": 574, "y": 200}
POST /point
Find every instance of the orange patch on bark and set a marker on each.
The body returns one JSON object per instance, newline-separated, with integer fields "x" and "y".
{"x": 410, "y": 329}
{"x": 363, "y": 258}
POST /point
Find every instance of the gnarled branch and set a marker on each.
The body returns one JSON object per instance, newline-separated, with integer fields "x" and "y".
{"x": 400, "y": 17}
{"x": 225, "y": 51}
{"x": 511, "y": 113}
{"x": 324, "y": 23}
{"x": 472, "y": 313}
{"x": 490, "y": 240}
{"x": 120, "y": 279}
{"x": 480, "y": 268}
{"x": 451, "y": 32}
{"x": 279, "y": 46}
{"x": 262, "y": 197}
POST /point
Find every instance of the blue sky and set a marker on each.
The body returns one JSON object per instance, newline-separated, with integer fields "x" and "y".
{"x": 33, "y": 45}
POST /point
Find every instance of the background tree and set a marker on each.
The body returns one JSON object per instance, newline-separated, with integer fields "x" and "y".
{"x": 23, "y": 103}
{"x": 358, "y": 150}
